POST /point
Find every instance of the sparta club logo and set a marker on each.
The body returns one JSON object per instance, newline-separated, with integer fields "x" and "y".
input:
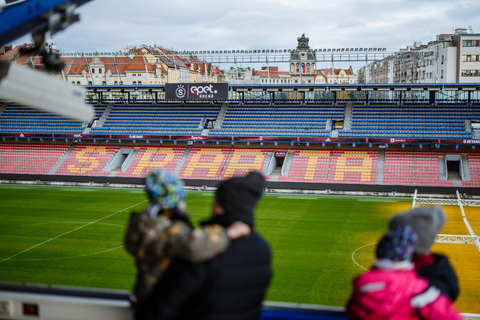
{"x": 180, "y": 92}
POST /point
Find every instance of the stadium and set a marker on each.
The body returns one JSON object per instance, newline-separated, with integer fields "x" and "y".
{"x": 339, "y": 160}
{"x": 312, "y": 151}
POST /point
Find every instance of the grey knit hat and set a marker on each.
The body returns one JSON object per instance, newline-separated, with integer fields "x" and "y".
{"x": 425, "y": 221}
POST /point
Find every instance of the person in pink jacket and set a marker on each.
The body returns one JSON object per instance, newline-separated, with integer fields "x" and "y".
{"x": 392, "y": 289}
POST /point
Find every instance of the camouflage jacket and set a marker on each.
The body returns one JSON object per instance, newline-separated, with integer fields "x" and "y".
{"x": 153, "y": 242}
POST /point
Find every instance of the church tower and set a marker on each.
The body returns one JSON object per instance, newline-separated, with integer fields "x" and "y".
{"x": 303, "y": 62}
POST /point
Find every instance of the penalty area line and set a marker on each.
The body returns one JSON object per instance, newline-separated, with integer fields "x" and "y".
{"x": 86, "y": 225}
{"x": 353, "y": 255}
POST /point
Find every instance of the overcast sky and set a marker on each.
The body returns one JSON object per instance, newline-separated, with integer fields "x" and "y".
{"x": 264, "y": 24}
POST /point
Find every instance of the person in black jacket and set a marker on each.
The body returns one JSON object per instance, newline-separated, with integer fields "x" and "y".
{"x": 230, "y": 286}
{"x": 436, "y": 268}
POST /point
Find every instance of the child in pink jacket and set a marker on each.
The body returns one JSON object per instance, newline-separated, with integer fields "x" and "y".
{"x": 392, "y": 289}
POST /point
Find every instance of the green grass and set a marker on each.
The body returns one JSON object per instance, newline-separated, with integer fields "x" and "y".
{"x": 73, "y": 236}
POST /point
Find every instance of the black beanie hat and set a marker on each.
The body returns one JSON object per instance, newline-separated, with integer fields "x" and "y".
{"x": 240, "y": 194}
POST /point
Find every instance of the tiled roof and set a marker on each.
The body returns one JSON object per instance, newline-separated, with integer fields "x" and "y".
{"x": 328, "y": 72}
{"x": 320, "y": 75}
{"x": 116, "y": 65}
{"x": 273, "y": 74}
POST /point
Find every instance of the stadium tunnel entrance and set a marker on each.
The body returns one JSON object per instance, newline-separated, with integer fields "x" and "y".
{"x": 455, "y": 168}
{"x": 275, "y": 164}
{"x": 122, "y": 159}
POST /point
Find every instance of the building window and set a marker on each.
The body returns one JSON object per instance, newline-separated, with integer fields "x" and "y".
{"x": 139, "y": 82}
{"x": 471, "y": 43}
{"x": 470, "y": 73}
{"x": 470, "y": 57}
{"x": 93, "y": 70}
{"x": 100, "y": 71}
{"x": 134, "y": 83}
{"x": 78, "y": 82}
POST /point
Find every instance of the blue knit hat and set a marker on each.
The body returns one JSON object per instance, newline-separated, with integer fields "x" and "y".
{"x": 397, "y": 244}
{"x": 165, "y": 189}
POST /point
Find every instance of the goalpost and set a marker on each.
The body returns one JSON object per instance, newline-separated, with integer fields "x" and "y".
{"x": 471, "y": 238}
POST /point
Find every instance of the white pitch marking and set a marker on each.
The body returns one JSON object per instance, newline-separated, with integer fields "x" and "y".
{"x": 63, "y": 258}
{"x": 90, "y": 223}
{"x": 370, "y": 244}
{"x": 59, "y": 222}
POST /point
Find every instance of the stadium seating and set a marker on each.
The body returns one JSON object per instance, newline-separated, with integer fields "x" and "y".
{"x": 205, "y": 163}
{"x": 474, "y": 164}
{"x": 222, "y": 163}
{"x": 427, "y": 171}
{"x": 17, "y": 119}
{"x": 309, "y": 120}
{"x": 278, "y": 120}
{"x": 149, "y": 158}
{"x": 399, "y": 168}
{"x": 88, "y": 160}
{"x": 413, "y": 168}
{"x": 333, "y": 166}
{"x": 354, "y": 166}
{"x": 418, "y": 121}
{"x": 26, "y": 158}
{"x": 243, "y": 160}
{"x": 160, "y": 120}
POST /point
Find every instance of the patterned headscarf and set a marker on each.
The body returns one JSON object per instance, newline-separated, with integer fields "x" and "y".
{"x": 165, "y": 189}
{"x": 397, "y": 244}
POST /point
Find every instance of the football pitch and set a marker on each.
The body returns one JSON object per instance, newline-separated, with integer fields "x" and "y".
{"x": 73, "y": 237}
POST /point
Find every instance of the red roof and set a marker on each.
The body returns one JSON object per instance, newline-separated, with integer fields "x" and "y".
{"x": 328, "y": 72}
{"x": 273, "y": 74}
{"x": 321, "y": 75}
{"x": 116, "y": 65}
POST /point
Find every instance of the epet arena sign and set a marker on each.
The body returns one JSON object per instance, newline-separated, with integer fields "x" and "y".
{"x": 196, "y": 91}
